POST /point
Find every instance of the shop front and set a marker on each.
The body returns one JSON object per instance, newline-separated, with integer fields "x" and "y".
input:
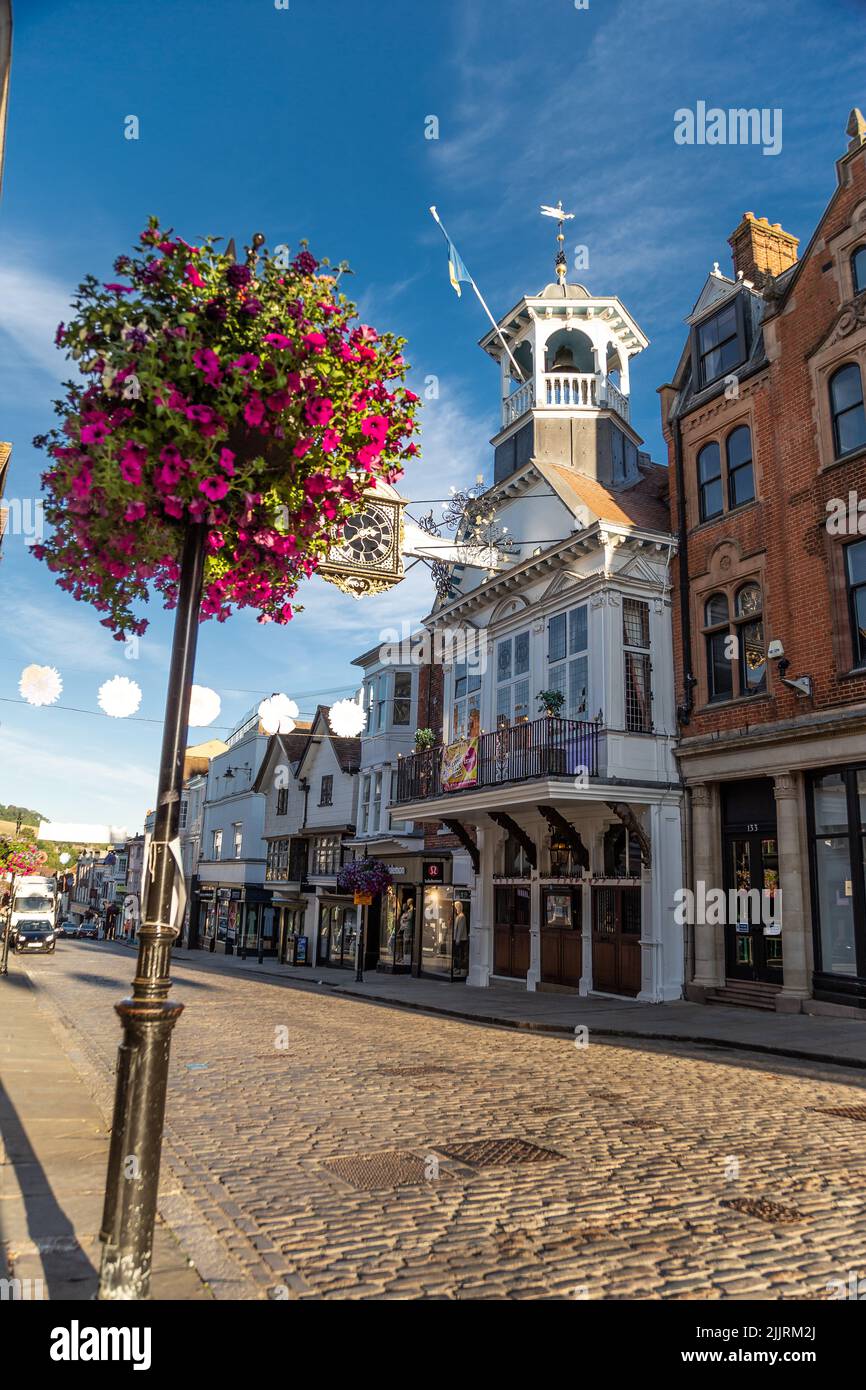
{"x": 397, "y": 921}
{"x": 338, "y": 932}
{"x": 444, "y": 936}
{"x": 290, "y": 915}
{"x": 836, "y": 816}
{"x": 235, "y": 920}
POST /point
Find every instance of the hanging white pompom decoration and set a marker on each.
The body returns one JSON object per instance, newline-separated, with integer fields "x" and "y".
{"x": 278, "y": 714}
{"x": 204, "y": 706}
{"x": 40, "y": 685}
{"x": 347, "y": 718}
{"x": 120, "y": 697}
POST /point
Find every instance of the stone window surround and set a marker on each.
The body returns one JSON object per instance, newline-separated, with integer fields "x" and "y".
{"x": 840, "y": 612}
{"x": 741, "y": 413}
{"x": 727, "y": 573}
{"x": 842, "y": 246}
{"x": 847, "y": 344}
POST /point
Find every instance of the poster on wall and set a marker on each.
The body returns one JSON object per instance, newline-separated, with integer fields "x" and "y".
{"x": 460, "y": 765}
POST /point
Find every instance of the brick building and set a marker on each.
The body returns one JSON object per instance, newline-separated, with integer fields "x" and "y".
{"x": 767, "y": 437}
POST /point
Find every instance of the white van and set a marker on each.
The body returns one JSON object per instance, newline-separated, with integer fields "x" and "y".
{"x": 34, "y": 898}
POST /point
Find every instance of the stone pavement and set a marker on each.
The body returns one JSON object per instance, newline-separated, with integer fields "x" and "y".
{"x": 805, "y": 1036}
{"x": 329, "y": 1147}
{"x": 53, "y": 1159}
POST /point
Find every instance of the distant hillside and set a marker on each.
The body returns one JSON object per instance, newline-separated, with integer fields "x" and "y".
{"x": 20, "y": 813}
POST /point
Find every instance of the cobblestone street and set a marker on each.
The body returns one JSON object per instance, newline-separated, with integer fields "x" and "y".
{"x": 633, "y": 1170}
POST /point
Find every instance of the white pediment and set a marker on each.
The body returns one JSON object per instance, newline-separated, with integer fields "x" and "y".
{"x": 717, "y": 289}
{"x": 636, "y": 567}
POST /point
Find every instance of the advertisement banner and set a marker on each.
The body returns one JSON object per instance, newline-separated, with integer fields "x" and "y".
{"x": 460, "y": 765}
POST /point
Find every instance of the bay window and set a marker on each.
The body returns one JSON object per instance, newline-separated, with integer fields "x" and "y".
{"x": 512, "y": 680}
{"x": 466, "y": 704}
{"x": 638, "y": 668}
{"x": 567, "y": 660}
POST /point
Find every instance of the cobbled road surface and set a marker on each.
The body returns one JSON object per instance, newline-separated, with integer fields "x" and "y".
{"x": 331, "y": 1148}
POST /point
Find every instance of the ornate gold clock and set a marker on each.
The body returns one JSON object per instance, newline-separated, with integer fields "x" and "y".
{"x": 368, "y": 557}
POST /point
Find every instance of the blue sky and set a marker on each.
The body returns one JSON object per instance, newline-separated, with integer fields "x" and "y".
{"x": 310, "y": 121}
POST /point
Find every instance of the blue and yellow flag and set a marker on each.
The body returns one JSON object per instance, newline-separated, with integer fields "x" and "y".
{"x": 456, "y": 269}
{"x": 457, "y": 272}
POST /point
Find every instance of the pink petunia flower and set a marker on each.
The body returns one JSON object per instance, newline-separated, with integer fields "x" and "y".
{"x": 94, "y": 433}
{"x": 302, "y": 447}
{"x": 330, "y": 441}
{"x": 254, "y": 410}
{"x": 135, "y": 511}
{"x": 319, "y": 410}
{"x": 173, "y": 506}
{"x": 246, "y": 363}
{"x": 130, "y": 470}
{"x": 277, "y": 340}
{"x": 315, "y": 341}
{"x": 209, "y": 365}
{"x": 193, "y": 276}
{"x": 214, "y": 488}
{"x": 375, "y": 427}
{"x": 227, "y": 462}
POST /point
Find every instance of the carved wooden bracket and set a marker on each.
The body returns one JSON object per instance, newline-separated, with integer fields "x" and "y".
{"x": 466, "y": 840}
{"x": 631, "y": 822}
{"x": 569, "y": 833}
{"x": 527, "y": 844}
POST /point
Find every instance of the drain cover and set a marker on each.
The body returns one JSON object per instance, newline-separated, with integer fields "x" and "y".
{"x": 764, "y": 1209}
{"x": 412, "y": 1069}
{"x": 848, "y": 1112}
{"x": 367, "y": 1172}
{"x": 612, "y": 1096}
{"x": 641, "y": 1124}
{"x": 497, "y": 1153}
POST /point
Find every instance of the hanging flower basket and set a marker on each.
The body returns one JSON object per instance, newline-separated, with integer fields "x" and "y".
{"x": 19, "y": 860}
{"x": 244, "y": 397}
{"x": 366, "y": 877}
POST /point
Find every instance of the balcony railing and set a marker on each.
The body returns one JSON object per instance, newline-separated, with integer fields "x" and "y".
{"x": 520, "y": 753}
{"x": 566, "y": 390}
{"x": 517, "y": 403}
{"x": 574, "y": 389}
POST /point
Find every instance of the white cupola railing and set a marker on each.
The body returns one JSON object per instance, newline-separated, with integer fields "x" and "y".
{"x": 572, "y": 389}
{"x": 566, "y": 391}
{"x": 518, "y": 403}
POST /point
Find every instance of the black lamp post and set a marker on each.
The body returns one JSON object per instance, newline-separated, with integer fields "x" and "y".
{"x": 148, "y": 1016}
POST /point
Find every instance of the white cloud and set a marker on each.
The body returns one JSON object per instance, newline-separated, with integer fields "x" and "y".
{"x": 72, "y": 786}
{"x": 73, "y": 639}
{"x": 33, "y": 305}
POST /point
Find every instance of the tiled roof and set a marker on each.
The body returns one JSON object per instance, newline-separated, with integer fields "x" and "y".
{"x": 644, "y": 504}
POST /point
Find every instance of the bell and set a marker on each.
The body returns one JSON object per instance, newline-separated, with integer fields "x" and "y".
{"x": 564, "y": 360}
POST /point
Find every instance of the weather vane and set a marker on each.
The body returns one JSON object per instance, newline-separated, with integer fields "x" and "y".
{"x": 562, "y": 218}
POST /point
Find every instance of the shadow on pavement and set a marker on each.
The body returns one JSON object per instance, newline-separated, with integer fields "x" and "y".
{"x": 64, "y": 1263}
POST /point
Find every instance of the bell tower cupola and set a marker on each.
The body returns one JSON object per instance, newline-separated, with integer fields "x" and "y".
{"x": 564, "y": 357}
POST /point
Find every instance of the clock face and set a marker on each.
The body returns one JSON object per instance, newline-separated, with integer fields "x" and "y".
{"x": 368, "y": 538}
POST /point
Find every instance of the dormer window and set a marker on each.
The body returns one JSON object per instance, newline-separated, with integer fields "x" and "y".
{"x": 720, "y": 343}
{"x": 858, "y": 269}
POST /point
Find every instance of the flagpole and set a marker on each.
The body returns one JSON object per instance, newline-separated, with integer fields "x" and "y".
{"x": 481, "y": 300}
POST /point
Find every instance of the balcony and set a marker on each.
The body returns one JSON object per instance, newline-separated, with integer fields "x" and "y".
{"x": 540, "y": 748}
{"x": 566, "y": 391}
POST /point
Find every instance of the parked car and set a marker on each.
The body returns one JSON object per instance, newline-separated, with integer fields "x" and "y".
{"x": 68, "y": 928}
{"x": 89, "y": 930}
{"x": 35, "y": 934}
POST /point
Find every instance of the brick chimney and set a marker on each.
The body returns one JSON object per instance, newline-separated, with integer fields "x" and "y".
{"x": 761, "y": 249}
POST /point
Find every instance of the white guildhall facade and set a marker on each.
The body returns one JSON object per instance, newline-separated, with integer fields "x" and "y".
{"x": 572, "y": 820}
